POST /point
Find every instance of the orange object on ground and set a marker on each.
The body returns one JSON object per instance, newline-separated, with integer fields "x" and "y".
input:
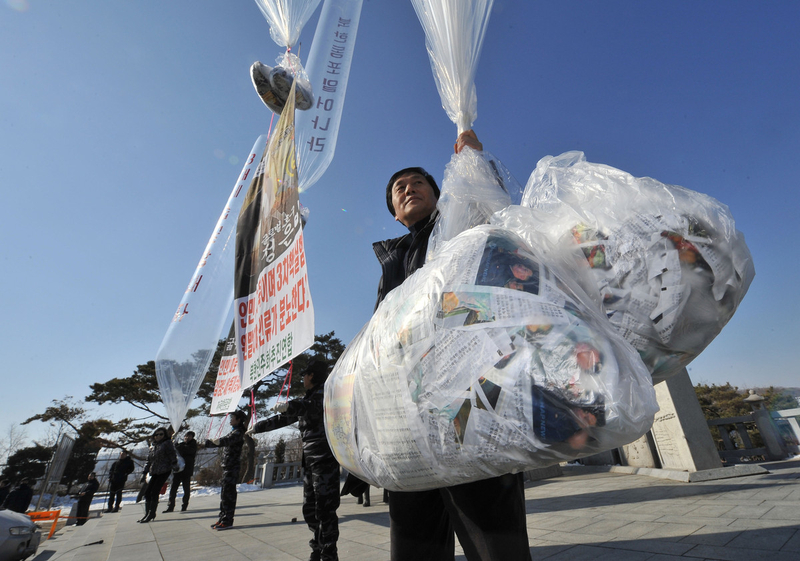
{"x": 45, "y": 515}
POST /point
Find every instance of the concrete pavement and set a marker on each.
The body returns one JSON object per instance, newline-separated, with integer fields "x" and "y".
{"x": 587, "y": 514}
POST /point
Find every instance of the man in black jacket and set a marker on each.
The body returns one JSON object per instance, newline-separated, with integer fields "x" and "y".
{"x": 321, "y": 470}
{"x": 85, "y": 496}
{"x": 117, "y": 476}
{"x": 188, "y": 451}
{"x": 231, "y": 463}
{"x": 20, "y": 498}
{"x": 489, "y": 515}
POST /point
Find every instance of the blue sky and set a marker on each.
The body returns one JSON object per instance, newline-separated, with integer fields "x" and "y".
{"x": 124, "y": 126}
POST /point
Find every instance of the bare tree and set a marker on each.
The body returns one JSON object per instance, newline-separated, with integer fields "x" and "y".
{"x": 11, "y": 441}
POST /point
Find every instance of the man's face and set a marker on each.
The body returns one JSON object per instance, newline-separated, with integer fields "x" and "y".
{"x": 413, "y": 198}
{"x": 235, "y": 422}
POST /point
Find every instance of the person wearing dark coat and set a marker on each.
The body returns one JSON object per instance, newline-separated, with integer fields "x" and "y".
{"x": 489, "y": 515}
{"x": 321, "y": 470}
{"x": 188, "y": 451}
{"x": 117, "y": 476}
{"x": 20, "y": 498}
{"x": 231, "y": 464}
{"x": 5, "y": 489}
{"x": 85, "y": 496}
{"x": 160, "y": 462}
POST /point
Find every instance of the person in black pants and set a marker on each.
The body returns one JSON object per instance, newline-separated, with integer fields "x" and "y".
{"x": 188, "y": 451}
{"x": 231, "y": 464}
{"x": 117, "y": 476}
{"x": 488, "y": 516}
{"x": 320, "y": 468}
{"x": 85, "y": 496}
{"x": 160, "y": 462}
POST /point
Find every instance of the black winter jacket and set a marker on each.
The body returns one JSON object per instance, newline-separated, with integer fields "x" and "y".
{"x": 400, "y": 257}
{"x": 19, "y": 499}
{"x": 89, "y": 489}
{"x": 232, "y": 442}
{"x": 120, "y": 470}
{"x": 188, "y": 451}
{"x": 308, "y": 411}
{"x": 162, "y": 458}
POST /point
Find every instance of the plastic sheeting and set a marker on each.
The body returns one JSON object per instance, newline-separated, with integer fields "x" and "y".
{"x": 192, "y": 336}
{"x": 475, "y": 186}
{"x": 667, "y": 263}
{"x": 286, "y": 18}
{"x": 325, "y": 79}
{"x": 485, "y": 361}
{"x": 454, "y": 32}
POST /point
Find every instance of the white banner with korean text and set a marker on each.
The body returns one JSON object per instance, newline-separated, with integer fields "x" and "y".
{"x": 273, "y": 313}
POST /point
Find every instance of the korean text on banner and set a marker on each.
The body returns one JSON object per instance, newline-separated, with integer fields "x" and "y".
{"x": 329, "y": 62}
{"x": 192, "y": 336}
{"x": 227, "y": 389}
{"x": 273, "y": 313}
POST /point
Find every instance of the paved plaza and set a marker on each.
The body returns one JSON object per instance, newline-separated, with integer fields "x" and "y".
{"x": 586, "y": 514}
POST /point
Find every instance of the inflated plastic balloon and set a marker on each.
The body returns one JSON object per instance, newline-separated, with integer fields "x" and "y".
{"x": 286, "y": 18}
{"x": 454, "y": 31}
{"x": 192, "y": 336}
{"x": 483, "y": 362}
{"x": 667, "y": 263}
{"x": 490, "y": 359}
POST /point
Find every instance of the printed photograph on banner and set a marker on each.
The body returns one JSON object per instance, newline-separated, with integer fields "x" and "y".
{"x": 274, "y": 316}
{"x": 228, "y": 388}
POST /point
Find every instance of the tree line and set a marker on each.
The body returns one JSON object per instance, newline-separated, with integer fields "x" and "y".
{"x": 139, "y": 391}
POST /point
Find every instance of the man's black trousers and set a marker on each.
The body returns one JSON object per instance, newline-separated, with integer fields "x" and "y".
{"x": 488, "y": 517}
{"x": 180, "y": 479}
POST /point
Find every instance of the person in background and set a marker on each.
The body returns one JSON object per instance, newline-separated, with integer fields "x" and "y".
{"x": 85, "y": 496}
{"x": 321, "y": 470}
{"x": 161, "y": 460}
{"x": 20, "y": 498}
{"x": 117, "y": 476}
{"x": 5, "y": 489}
{"x": 231, "y": 464}
{"x": 188, "y": 451}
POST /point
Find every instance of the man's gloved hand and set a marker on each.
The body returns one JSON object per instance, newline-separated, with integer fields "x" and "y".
{"x": 281, "y": 407}
{"x": 251, "y": 431}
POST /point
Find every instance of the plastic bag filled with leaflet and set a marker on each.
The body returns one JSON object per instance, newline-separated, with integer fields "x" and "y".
{"x": 486, "y": 361}
{"x": 667, "y": 263}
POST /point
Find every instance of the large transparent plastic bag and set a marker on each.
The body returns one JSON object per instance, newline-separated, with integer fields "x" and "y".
{"x": 454, "y": 32}
{"x": 191, "y": 339}
{"x": 286, "y": 18}
{"x": 475, "y": 186}
{"x": 485, "y": 361}
{"x": 320, "y": 89}
{"x": 667, "y": 262}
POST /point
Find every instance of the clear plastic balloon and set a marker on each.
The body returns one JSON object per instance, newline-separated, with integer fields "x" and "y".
{"x": 454, "y": 32}
{"x": 485, "y": 361}
{"x": 667, "y": 263}
{"x": 490, "y": 359}
{"x": 286, "y": 18}
{"x": 192, "y": 336}
{"x": 321, "y": 88}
